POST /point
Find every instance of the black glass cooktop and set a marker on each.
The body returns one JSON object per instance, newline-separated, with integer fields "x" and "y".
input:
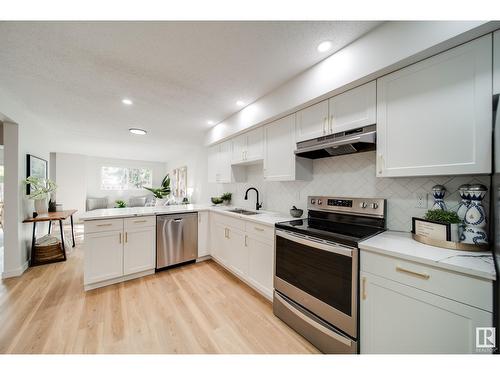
{"x": 347, "y": 232}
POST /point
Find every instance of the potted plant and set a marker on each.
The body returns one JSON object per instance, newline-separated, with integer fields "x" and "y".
{"x": 120, "y": 204}
{"x": 445, "y": 217}
{"x": 226, "y": 198}
{"x": 161, "y": 193}
{"x": 41, "y": 190}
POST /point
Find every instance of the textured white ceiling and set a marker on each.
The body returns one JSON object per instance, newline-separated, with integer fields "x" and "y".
{"x": 73, "y": 75}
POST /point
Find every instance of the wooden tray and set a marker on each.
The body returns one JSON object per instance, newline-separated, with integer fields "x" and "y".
{"x": 449, "y": 244}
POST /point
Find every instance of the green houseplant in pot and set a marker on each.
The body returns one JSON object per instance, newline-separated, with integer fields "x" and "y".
{"x": 226, "y": 198}
{"x": 445, "y": 217}
{"x": 41, "y": 190}
{"x": 161, "y": 193}
{"x": 120, "y": 204}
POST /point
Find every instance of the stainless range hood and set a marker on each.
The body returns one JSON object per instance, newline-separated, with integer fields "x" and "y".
{"x": 349, "y": 142}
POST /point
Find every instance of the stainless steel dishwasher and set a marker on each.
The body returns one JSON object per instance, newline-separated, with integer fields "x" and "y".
{"x": 176, "y": 239}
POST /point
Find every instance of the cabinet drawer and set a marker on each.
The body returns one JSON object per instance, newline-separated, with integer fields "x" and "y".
{"x": 264, "y": 231}
{"x": 228, "y": 221}
{"x": 139, "y": 222}
{"x": 96, "y": 226}
{"x": 462, "y": 288}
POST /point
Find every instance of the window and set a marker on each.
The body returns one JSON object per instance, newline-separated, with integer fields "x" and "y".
{"x": 120, "y": 178}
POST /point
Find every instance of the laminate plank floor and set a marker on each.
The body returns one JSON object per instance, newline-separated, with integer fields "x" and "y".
{"x": 198, "y": 308}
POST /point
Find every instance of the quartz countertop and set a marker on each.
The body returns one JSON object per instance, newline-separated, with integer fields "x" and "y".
{"x": 263, "y": 217}
{"x": 402, "y": 245}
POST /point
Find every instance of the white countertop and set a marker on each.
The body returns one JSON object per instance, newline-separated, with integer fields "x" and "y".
{"x": 401, "y": 245}
{"x": 263, "y": 217}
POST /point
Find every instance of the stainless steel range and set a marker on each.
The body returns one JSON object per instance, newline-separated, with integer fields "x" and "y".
{"x": 317, "y": 269}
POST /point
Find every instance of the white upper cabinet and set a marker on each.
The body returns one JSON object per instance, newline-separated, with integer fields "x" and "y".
{"x": 219, "y": 164}
{"x": 353, "y": 109}
{"x": 496, "y": 62}
{"x": 248, "y": 148}
{"x": 434, "y": 117}
{"x": 280, "y": 162}
{"x": 312, "y": 122}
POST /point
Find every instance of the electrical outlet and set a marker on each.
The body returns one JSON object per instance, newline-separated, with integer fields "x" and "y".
{"x": 421, "y": 200}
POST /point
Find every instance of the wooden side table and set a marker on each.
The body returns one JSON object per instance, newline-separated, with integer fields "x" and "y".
{"x": 50, "y": 217}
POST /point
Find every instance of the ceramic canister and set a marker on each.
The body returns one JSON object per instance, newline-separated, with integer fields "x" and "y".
{"x": 438, "y": 192}
{"x": 462, "y": 207}
{"x": 475, "y": 231}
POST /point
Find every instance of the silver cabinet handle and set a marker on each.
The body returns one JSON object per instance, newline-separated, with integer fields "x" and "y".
{"x": 330, "y": 125}
{"x": 126, "y": 237}
{"x": 258, "y": 229}
{"x": 120, "y": 238}
{"x": 363, "y": 288}
{"x": 246, "y": 238}
{"x": 104, "y": 225}
{"x": 420, "y": 275}
{"x": 178, "y": 220}
{"x": 140, "y": 221}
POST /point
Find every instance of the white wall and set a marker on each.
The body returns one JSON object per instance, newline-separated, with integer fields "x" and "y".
{"x": 79, "y": 177}
{"x": 386, "y": 48}
{"x": 347, "y": 176}
{"x": 196, "y": 161}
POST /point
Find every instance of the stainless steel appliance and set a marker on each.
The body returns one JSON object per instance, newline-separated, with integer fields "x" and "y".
{"x": 317, "y": 269}
{"x": 348, "y": 142}
{"x": 176, "y": 239}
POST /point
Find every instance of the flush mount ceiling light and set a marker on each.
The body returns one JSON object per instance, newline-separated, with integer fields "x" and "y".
{"x": 240, "y": 103}
{"x": 324, "y": 46}
{"x": 127, "y": 101}
{"x": 137, "y": 131}
{"x": 210, "y": 122}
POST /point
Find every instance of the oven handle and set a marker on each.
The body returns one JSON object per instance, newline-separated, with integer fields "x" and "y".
{"x": 322, "y": 245}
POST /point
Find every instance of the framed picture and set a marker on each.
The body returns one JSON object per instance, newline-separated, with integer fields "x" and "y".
{"x": 431, "y": 229}
{"x": 36, "y": 167}
{"x": 179, "y": 182}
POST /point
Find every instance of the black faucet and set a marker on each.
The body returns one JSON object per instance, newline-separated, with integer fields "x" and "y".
{"x": 257, "y": 205}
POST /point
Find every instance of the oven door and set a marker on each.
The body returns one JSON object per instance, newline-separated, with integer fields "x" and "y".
{"x": 319, "y": 275}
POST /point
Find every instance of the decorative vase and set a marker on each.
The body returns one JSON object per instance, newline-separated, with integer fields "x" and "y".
{"x": 41, "y": 206}
{"x": 475, "y": 217}
{"x": 226, "y": 202}
{"x": 438, "y": 192}
{"x": 462, "y": 207}
{"x": 160, "y": 202}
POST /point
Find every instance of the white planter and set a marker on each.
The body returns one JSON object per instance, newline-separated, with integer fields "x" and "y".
{"x": 41, "y": 206}
{"x": 159, "y": 202}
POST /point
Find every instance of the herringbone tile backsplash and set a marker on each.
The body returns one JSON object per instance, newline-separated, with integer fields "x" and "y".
{"x": 348, "y": 176}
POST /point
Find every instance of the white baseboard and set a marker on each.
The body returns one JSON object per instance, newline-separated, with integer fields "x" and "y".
{"x": 15, "y": 272}
{"x": 116, "y": 280}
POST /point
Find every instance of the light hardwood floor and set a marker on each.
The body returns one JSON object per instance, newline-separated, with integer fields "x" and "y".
{"x": 199, "y": 308}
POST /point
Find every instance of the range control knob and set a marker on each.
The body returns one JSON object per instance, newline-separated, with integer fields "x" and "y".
{"x": 363, "y": 205}
{"x": 320, "y": 201}
{"x": 313, "y": 201}
{"x": 374, "y": 205}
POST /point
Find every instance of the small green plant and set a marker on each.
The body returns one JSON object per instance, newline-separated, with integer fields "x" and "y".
{"x": 216, "y": 200}
{"x": 41, "y": 188}
{"x": 448, "y": 217}
{"x": 162, "y": 191}
{"x": 120, "y": 204}
{"x": 226, "y": 196}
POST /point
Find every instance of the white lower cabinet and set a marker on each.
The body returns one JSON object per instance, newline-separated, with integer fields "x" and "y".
{"x": 118, "y": 249}
{"x": 236, "y": 246}
{"x": 203, "y": 234}
{"x": 404, "y": 316}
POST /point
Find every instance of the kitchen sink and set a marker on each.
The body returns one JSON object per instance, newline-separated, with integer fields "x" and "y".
{"x": 243, "y": 212}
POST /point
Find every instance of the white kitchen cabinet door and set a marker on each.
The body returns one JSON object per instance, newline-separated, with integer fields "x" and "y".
{"x": 255, "y": 145}
{"x": 312, "y": 122}
{"x": 203, "y": 234}
{"x": 434, "y": 117}
{"x": 237, "y": 252}
{"x": 224, "y": 162}
{"x": 496, "y": 62}
{"x": 261, "y": 264}
{"x": 139, "y": 250}
{"x": 239, "y": 147}
{"x": 396, "y": 319}
{"x": 103, "y": 256}
{"x": 219, "y": 240}
{"x": 213, "y": 163}
{"x": 280, "y": 162}
{"x": 353, "y": 109}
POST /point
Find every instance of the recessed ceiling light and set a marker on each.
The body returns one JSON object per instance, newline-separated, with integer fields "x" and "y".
{"x": 210, "y": 122}
{"x": 137, "y": 131}
{"x": 324, "y": 46}
{"x": 240, "y": 103}
{"x": 127, "y": 101}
